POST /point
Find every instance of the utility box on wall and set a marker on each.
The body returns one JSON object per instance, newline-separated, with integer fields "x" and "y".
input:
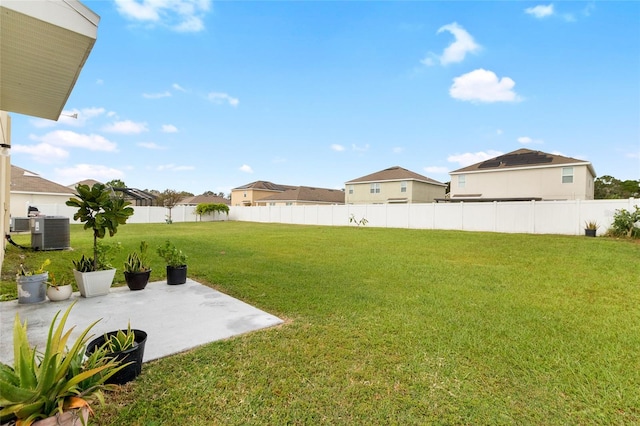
{"x": 50, "y": 233}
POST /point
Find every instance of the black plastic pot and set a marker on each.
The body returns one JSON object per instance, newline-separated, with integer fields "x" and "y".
{"x": 133, "y": 355}
{"x": 176, "y": 274}
{"x": 137, "y": 280}
{"x": 590, "y": 232}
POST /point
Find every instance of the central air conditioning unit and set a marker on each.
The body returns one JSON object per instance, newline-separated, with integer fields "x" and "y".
{"x": 20, "y": 224}
{"x": 49, "y": 233}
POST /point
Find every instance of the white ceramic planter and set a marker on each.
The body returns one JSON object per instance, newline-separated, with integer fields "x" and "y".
{"x": 95, "y": 283}
{"x": 61, "y": 292}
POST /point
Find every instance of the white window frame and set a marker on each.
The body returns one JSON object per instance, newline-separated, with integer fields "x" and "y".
{"x": 567, "y": 175}
{"x": 375, "y": 188}
{"x": 462, "y": 181}
{"x": 403, "y": 186}
{"x": 350, "y": 189}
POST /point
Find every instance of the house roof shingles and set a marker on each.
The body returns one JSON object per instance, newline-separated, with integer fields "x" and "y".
{"x": 309, "y": 194}
{"x": 199, "y": 199}
{"x": 395, "y": 173}
{"x": 522, "y": 158}
{"x": 23, "y": 180}
{"x": 264, "y": 185}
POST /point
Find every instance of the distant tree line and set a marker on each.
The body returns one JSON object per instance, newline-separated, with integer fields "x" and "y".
{"x": 608, "y": 187}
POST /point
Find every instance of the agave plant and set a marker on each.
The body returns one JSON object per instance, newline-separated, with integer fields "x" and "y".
{"x": 39, "y": 385}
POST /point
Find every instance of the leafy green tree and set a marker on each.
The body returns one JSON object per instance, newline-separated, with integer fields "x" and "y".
{"x": 100, "y": 212}
{"x": 608, "y": 187}
{"x": 169, "y": 198}
{"x": 116, "y": 183}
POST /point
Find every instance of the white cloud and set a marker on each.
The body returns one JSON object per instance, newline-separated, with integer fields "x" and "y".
{"x": 483, "y": 86}
{"x": 469, "y": 158}
{"x": 68, "y": 138}
{"x": 463, "y": 44}
{"x": 246, "y": 168}
{"x": 88, "y": 171}
{"x": 169, "y": 128}
{"x": 220, "y": 98}
{"x": 178, "y": 15}
{"x": 526, "y": 140}
{"x": 166, "y": 94}
{"x": 357, "y": 148}
{"x": 633, "y": 154}
{"x": 42, "y": 152}
{"x": 499, "y": 132}
{"x": 398, "y": 149}
{"x": 150, "y": 145}
{"x": 540, "y": 11}
{"x": 436, "y": 170}
{"x": 177, "y": 87}
{"x": 173, "y": 168}
{"x": 126, "y": 127}
{"x": 337, "y": 147}
{"x": 99, "y": 82}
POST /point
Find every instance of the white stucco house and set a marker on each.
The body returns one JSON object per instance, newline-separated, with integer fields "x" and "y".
{"x": 393, "y": 185}
{"x": 524, "y": 175}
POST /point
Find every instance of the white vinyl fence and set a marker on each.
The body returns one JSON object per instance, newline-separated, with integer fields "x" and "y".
{"x": 532, "y": 217}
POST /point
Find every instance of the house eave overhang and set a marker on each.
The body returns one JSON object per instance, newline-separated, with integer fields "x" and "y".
{"x": 43, "y": 47}
{"x": 356, "y": 182}
{"x": 508, "y": 169}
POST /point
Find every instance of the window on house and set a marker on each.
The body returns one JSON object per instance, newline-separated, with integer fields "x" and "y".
{"x": 567, "y": 175}
{"x": 350, "y": 189}
{"x": 403, "y": 186}
{"x": 288, "y": 203}
{"x": 375, "y": 188}
{"x": 462, "y": 180}
{"x": 245, "y": 195}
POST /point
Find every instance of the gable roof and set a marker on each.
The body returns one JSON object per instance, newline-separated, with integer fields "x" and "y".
{"x": 523, "y": 158}
{"x": 198, "y": 199}
{"x": 266, "y": 186}
{"x": 395, "y": 173}
{"x": 23, "y": 180}
{"x": 308, "y": 193}
{"x": 88, "y": 182}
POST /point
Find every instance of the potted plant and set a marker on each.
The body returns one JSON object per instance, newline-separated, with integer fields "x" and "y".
{"x": 176, "y": 262}
{"x": 590, "y": 228}
{"x": 101, "y": 212}
{"x": 32, "y": 285}
{"x": 136, "y": 269}
{"x": 126, "y": 347}
{"x": 58, "y": 292}
{"x": 57, "y": 385}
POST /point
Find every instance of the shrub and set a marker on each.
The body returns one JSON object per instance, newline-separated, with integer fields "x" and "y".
{"x": 625, "y": 223}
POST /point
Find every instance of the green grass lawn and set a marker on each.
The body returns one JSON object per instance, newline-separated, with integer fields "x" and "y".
{"x": 393, "y": 326}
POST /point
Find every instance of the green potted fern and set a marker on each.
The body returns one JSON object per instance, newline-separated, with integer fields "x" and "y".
{"x": 102, "y": 212}
{"x": 136, "y": 269}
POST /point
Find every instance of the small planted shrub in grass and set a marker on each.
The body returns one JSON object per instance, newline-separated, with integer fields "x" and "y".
{"x": 626, "y": 223}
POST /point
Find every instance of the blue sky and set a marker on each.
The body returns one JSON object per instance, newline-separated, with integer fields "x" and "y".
{"x": 198, "y": 95}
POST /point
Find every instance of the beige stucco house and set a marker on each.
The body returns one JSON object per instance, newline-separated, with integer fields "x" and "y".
{"x": 249, "y": 194}
{"x": 304, "y": 195}
{"x": 393, "y": 185}
{"x": 43, "y": 47}
{"x": 28, "y": 189}
{"x": 524, "y": 175}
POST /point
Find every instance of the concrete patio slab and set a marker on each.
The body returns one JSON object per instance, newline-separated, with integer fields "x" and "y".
{"x": 176, "y": 318}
